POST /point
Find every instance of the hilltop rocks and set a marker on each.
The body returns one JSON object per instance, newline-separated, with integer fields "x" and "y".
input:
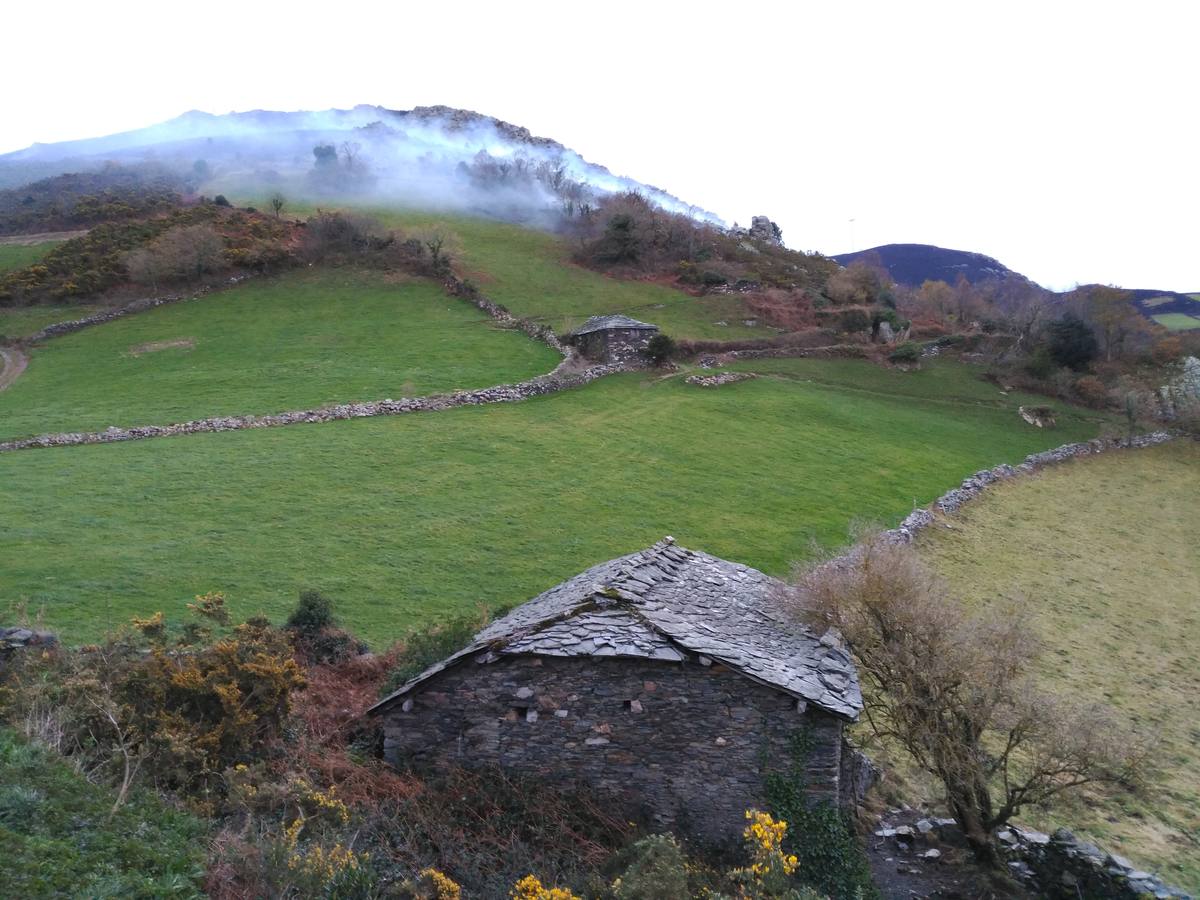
{"x": 761, "y": 229}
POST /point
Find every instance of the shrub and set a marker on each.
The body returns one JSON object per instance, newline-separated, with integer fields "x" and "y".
{"x": 660, "y": 349}
{"x": 853, "y": 321}
{"x": 313, "y": 613}
{"x": 658, "y": 871}
{"x": 423, "y": 648}
{"x": 906, "y": 353}
{"x": 1071, "y": 343}
{"x": 1091, "y": 391}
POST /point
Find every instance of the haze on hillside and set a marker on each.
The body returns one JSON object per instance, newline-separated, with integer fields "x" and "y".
{"x": 432, "y": 158}
{"x": 1057, "y": 139}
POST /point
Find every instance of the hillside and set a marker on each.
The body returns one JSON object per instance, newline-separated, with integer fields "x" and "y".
{"x": 912, "y": 264}
{"x": 1114, "y": 594}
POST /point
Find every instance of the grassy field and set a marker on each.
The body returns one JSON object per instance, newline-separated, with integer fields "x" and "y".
{"x": 17, "y": 256}
{"x": 1108, "y": 551}
{"x": 1177, "y": 321}
{"x": 303, "y": 340}
{"x": 406, "y": 519}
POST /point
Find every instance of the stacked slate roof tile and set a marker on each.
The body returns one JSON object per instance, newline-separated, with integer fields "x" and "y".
{"x": 672, "y": 604}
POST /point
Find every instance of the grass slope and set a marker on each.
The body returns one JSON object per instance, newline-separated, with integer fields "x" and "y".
{"x": 531, "y": 273}
{"x": 407, "y": 519}
{"x": 307, "y": 339}
{"x": 18, "y": 256}
{"x": 1177, "y": 321}
{"x": 1106, "y": 548}
{"x": 59, "y": 841}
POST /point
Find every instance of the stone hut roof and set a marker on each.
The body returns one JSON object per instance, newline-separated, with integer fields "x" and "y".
{"x": 665, "y": 603}
{"x": 606, "y": 323}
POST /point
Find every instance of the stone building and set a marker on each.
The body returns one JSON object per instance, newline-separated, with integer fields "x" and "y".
{"x": 668, "y": 680}
{"x": 612, "y": 339}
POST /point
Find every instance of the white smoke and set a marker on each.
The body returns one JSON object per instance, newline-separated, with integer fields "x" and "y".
{"x": 428, "y": 158}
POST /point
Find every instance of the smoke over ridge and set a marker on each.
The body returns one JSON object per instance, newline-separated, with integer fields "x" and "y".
{"x": 435, "y": 158}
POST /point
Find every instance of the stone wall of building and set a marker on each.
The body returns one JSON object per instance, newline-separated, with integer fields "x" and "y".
{"x": 616, "y": 345}
{"x": 685, "y": 744}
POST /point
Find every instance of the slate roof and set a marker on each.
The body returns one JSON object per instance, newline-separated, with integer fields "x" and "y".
{"x": 604, "y": 323}
{"x": 668, "y": 603}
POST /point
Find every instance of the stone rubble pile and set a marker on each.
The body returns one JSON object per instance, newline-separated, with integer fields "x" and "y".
{"x": 1062, "y": 866}
{"x": 708, "y": 381}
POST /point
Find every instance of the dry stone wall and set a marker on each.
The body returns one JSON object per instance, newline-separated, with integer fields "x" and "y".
{"x": 505, "y": 393}
{"x": 976, "y": 484}
{"x": 686, "y": 744}
{"x": 108, "y": 315}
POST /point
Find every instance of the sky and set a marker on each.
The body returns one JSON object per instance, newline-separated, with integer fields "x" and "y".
{"x": 1059, "y": 137}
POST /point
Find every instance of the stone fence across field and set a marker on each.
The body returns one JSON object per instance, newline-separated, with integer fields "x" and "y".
{"x": 505, "y": 393}
{"x": 976, "y": 484}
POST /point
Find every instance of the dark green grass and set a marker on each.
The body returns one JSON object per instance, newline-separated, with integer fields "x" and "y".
{"x": 59, "y": 841}
{"x": 18, "y": 256}
{"x": 306, "y": 339}
{"x": 407, "y": 519}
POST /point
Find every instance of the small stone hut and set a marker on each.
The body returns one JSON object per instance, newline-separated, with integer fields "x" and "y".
{"x": 613, "y": 339}
{"x": 668, "y": 680}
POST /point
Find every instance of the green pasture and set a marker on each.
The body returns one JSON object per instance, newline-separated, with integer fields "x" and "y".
{"x": 407, "y": 519}
{"x": 306, "y": 339}
{"x": 1177, "y": 321}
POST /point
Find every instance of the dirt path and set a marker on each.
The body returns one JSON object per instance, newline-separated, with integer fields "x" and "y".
{"x": 12, "y": 364}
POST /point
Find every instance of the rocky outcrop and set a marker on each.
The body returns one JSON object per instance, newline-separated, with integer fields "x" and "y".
{"x": 1038, "y": 416}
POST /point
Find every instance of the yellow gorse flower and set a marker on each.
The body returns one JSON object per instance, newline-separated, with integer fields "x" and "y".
{"x": 530, "y": 888}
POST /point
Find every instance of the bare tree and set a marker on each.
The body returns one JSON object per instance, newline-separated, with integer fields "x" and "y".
{"x": 441, "y": 244}
{"x": 277, "y": 201}
{"x": 952, "y": 689}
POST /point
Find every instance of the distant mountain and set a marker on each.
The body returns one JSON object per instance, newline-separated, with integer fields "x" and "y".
{"x": 913, "y": 264}
{"x": 431, "y": 157}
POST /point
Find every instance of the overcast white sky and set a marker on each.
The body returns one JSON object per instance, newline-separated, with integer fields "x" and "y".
{"x": 1060, "y": 138}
